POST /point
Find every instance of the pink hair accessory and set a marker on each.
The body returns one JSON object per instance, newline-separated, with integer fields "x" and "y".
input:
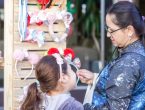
{"x": 33, "y": 58}
{"x": 35, "y": 36}
{"x": 20, "y": 55}
{"x": 47, "y": 17}
{"x": 67, "y": 18}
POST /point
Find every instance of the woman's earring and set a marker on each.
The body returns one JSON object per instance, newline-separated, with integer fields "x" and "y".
{"x": 130, "y": 36}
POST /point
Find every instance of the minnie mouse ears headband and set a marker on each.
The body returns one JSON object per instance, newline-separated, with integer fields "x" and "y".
{"x": 20, "y": 55}
{"x": 68, "y": 55}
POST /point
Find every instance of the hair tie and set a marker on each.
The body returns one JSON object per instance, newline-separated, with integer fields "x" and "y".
{"x": 38, "y": 83}
{"x": 20, "y": 55}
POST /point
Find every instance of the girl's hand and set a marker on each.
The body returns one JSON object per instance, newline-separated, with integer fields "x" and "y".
{"x": 85, "y": 76}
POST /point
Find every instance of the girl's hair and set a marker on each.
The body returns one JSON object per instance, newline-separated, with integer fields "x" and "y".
{"x": 126, "y": 13}
{"x": 47, "y": 73}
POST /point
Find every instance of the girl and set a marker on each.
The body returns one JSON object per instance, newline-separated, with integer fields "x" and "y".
{"x": 55, "y": 80}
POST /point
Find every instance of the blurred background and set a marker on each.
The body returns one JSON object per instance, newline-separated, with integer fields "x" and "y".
{"x": 87, "y": 36}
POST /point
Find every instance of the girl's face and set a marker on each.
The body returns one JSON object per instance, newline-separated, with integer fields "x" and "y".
{"x": 118, "y": 36}
{"x": 72, "y": 78}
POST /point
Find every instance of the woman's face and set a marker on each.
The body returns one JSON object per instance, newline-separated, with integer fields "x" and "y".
{"x": 118, "y": 36}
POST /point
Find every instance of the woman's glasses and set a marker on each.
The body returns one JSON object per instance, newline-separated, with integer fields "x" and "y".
{"x": 110, "y": 30}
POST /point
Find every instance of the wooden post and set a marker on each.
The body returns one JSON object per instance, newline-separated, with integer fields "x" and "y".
{"x": 12, "y": 83}
{"x": 8, "y": 50}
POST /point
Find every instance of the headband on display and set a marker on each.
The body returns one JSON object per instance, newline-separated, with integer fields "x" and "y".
{"x": 22, "y": 24}
{"x": 67, "y": 18}
{"x": 49, "y": 18}
{"x": 39, "y": 17}
{"x": 20, "y": 55}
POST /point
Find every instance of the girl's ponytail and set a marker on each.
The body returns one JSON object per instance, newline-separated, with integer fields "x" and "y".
{"x": 32, "y": 100}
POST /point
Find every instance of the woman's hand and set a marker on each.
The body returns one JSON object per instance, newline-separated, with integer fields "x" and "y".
{"x": 85, "y": 76}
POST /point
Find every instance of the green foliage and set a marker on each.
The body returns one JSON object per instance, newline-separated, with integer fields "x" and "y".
{"x": 86, "y": 23}
{"x": 90, "y": 20}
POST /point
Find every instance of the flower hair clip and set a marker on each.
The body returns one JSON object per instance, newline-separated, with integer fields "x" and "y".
{"x": 20, "y": 55}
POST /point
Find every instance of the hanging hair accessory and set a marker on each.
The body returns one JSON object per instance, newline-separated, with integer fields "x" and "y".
{"x": 49, "y": 18}
{"x": 66, "y": 17}
{"x": 20, "y": 55}
{"x": 22, "y": 24}
{"x": 35, "y": 36}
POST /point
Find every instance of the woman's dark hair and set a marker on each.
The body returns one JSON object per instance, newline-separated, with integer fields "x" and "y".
{"x": 126, "y": 13}
{"x": 47, "y": 73}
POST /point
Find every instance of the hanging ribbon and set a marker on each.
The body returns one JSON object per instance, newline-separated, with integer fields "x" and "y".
{"x": 22, "y": 25}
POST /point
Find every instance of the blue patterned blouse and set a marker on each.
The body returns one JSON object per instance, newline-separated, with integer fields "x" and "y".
{"x": 122, "y": 82}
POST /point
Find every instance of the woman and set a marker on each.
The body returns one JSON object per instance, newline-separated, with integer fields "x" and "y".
{"x": 121, "y": 84}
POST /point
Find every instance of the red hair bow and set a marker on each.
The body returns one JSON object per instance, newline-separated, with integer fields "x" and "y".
{"x": 52, "y": 51}
{"x": 68, "y": 52}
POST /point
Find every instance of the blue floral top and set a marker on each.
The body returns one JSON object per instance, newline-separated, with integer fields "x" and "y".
{"x": 122, "y": 82}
